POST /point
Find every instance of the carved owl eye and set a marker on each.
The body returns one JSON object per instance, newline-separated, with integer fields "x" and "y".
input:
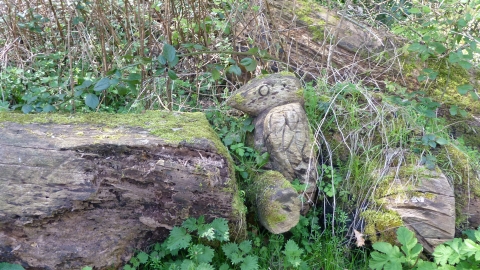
{"x": 264, "y": 90}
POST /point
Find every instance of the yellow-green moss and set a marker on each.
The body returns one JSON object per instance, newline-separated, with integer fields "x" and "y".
{"x": 381, "y": 225}
{"x": 316, "y": 26}
{"x": 272, "y": 179}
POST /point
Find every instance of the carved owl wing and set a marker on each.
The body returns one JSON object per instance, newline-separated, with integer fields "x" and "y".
{"x": 287, "y": 138}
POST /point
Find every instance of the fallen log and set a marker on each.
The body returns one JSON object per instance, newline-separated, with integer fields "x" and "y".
{"x": 91, "y": 189}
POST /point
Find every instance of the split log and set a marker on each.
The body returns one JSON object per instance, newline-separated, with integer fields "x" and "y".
{"x": 91, "y": 189}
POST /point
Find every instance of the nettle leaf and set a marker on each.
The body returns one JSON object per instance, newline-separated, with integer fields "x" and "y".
{"x": 220, "y": 225}
{"x": 101, "y": 85}
{"x": 204, "y": 266}
{"x": 229, "y": 249}
{"x": 169, "y": 52}
{"x": 190, "y": 224}
{"x": 178, "y": 239}
{"x": 142, "y": 257}
{"x": 464, "y": 89}
{"x": 246, "y": 246}
{"x": 249, "y": 263}
{"x": 91, "y": 100}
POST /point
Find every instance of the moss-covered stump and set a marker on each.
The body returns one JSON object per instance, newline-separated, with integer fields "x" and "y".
{"x": 278, "y": 203}
{"x": 91, "y": 189}
{"x": 425, "y": 202}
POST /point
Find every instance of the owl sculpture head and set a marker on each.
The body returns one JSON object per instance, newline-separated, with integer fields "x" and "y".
{"x": 263, "y": 93}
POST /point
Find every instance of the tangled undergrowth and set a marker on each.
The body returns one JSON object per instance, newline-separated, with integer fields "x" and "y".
{"x": 131, "y": 56}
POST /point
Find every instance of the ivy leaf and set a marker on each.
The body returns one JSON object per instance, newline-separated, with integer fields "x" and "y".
{"x": 464, "y": 89}
{"x": 48, "y": 108}
{"x": 169, "y": 52}
{"x": 101, "y": 85}
{"x": 91, "y": 100}
{"x": 414, "y": 10}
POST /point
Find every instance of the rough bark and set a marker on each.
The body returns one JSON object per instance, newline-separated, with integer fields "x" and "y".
{"x": 76, "y": 194}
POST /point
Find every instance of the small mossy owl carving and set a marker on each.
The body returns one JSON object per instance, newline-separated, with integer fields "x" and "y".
{"x": 281, "y": 126}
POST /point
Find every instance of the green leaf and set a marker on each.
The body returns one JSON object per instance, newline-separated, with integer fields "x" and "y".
{"x": 245, "y": 246}
{"x": 190, "y": 224}
{"x": 454, "y": 57}
{"x": 464, "y": 89}
{"x": 441, "y": 254}
{"x": 172, "y": 74}
{"x": 249, "y": 263}
{"x": 230, "y": 248}
{"x": 220, "y": 225}
{"x": 438, "y": 47}
{"x": 162, "y": 60}
{"x": 441, "y": 141}
{"x": 142, "y": 257}
{"x": 9, "y": 266}
{"x": 414, "y": 10}
{"x": 235, "y": 70}
{"x": 215, "y": 74}
{"x": 249, "y": 64}
{"x": 48, "y": 108}
{"x": 178, "y": 239}
{"x": 453, "y": 110}
{"x": 91, "y": 100}
{"x": 101, "y": 85}
{"x": 169, "y": 52}
{"x": 465, "y": 64}
{"x": 204, "y": 266}
{"x": 417, "y": 47}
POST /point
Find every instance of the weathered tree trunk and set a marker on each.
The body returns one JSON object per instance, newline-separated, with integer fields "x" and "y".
{"x": 313, "y": 40}
{"x": 92, "y": 189}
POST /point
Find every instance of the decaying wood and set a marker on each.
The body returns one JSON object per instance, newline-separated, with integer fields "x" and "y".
{"x": 313, "y": 40}
{"x": 76, "y": 194}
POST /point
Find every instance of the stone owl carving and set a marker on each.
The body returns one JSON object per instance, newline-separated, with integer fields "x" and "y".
{"x": 281, "y": 126}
